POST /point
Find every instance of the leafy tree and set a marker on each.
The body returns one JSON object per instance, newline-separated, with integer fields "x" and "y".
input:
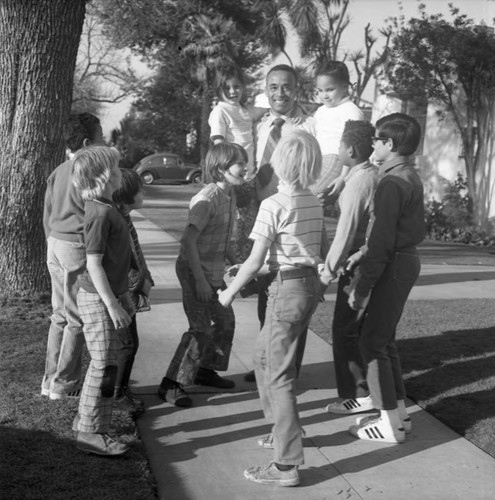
{"x": 38, "y": 49}
{"x": 319, "y": 25}
{"x": 453, "y": 64}
{"x": 103, "y": 74}
{"x": 199, "y": 36}
{"x": 366, "y": 63}
{"x": 161, "y": 119}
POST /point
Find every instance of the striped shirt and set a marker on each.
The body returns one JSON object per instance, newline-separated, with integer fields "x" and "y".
{"x": 212, "y": 213}
{"x": 291, "y": 222}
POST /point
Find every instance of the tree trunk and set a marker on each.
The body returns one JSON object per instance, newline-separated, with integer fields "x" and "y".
{"x": 38, "y": 48}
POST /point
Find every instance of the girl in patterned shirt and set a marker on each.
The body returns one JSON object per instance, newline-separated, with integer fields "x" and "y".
{"x": 205, "y": 246}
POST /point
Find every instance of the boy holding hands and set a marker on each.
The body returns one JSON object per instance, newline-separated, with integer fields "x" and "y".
{"x": 387, "y": 273}
{"x": 355, "y": 203}
{"x": 103, "y": 297}
{"x": 200, "y": 267}
{"x": 289, "y": 228}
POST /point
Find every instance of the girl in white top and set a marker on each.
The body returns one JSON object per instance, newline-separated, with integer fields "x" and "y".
{"x": 231, "y": 120}
{"x": 332, "y": 88}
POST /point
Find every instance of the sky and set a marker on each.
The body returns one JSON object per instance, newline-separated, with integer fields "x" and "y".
{"x": 361, "y": 12}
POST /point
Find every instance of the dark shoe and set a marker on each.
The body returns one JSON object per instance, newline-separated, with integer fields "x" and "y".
{"x": 138, "y": 402}
{"x": 213, "y": 379}
{"x": 100, "y": 444}
{"x": 125, "y": 403}
{"x": 250, "y": 376}
{"x": 173, "y": 393}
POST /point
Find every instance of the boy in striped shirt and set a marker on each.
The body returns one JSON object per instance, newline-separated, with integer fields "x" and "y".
{"x": 289, "y": 236}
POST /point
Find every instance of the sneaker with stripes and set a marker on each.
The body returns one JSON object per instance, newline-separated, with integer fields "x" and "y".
{"x": 351, "y": 405}
{"x": 377, "y": 430}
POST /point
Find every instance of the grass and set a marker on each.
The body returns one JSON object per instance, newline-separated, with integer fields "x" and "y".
{"x": 37, "y": 445}
{"x": 447, "y": 362}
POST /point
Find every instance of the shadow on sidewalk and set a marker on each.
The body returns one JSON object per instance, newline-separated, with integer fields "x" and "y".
{"x": 443, "y": 278}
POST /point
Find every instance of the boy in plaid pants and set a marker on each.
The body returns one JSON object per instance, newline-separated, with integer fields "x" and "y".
{"x": 103, "y": 297}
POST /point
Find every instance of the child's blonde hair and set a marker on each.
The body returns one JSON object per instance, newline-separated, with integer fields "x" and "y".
{"x": 92, "y": 170}
{"x": 297, "y": 159}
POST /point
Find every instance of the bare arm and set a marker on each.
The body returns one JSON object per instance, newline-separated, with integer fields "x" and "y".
{"x": 246, "y": 273}
{"x": 119, "y": 316}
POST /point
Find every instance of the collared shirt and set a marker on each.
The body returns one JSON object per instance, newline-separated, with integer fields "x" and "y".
{"x": 106, "y": 233}
{"x": 63, "y": 212}
{"x": 355, "y": 202}
{"x": 292, "y": 223}
{"x": 262, "y": 131}
{"x": 212, "y": 212}
{"x": 397, "y": 222}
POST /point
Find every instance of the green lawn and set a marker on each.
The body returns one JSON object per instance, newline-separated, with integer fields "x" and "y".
{"x": 447, "y": 349}
{"x": 37, "y": 445}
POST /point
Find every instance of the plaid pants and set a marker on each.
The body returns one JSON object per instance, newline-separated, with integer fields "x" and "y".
{"x": 102, "y": 340}
{"x": 208, "y": 342}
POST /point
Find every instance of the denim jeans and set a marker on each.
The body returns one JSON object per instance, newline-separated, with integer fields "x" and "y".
{"x": 291, "y": 304}
{"x": 208, "y": 342}
{"x": 377, "y": 340}
{"x": 350, "y": 368}
{"x": 66, "y": 261}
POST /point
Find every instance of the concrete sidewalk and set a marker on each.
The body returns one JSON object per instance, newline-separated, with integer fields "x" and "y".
{"x": 200, "y": 453}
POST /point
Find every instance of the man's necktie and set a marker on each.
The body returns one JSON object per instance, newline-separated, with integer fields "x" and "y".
{"x": 265, "y": 172}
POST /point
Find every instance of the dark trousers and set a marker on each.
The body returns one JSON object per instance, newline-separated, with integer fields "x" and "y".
{"x": 350, "y": 368}
{"x": 208, "y": 342}
{"x": 378, "y": 331}
{"x": 126, "y": 354}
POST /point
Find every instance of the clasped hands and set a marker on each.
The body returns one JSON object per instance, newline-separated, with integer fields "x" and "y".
{"x": 355, "y": 301}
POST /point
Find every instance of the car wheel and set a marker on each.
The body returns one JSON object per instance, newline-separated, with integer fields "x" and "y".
{"x": 148, "y": 178}
{"x": 197, "y": 178}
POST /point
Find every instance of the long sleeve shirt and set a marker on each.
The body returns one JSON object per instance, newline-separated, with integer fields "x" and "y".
{"x": 63, "y": 212}
{"x": 397, "y": 222}
{"x": 355, "y": 202}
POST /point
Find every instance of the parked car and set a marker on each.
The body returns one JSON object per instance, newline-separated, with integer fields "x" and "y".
{"x": 167, "y": 167}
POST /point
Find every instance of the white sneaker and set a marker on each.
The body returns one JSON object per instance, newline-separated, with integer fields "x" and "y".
{"x": 271, "y": 475}
{"x": 351, "y": 405}
{"x": 266, "y": 441}
{"x": 406, "y": 422}
{"x": 377, "y": 430}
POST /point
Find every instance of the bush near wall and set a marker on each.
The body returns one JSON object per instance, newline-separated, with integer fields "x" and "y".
{"x": 451, "y": 218}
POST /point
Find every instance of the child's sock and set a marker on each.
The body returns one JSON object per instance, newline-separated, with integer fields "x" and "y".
{"x": 391, "y": 418}
{"x": 401, "y": 403}
{"x": 284, "y": 467}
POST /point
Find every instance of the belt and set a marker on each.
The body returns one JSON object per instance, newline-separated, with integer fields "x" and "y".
{"x": 298, "y": 272}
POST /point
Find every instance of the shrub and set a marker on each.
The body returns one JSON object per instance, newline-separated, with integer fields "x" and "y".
{"x": 451, "y": 218}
